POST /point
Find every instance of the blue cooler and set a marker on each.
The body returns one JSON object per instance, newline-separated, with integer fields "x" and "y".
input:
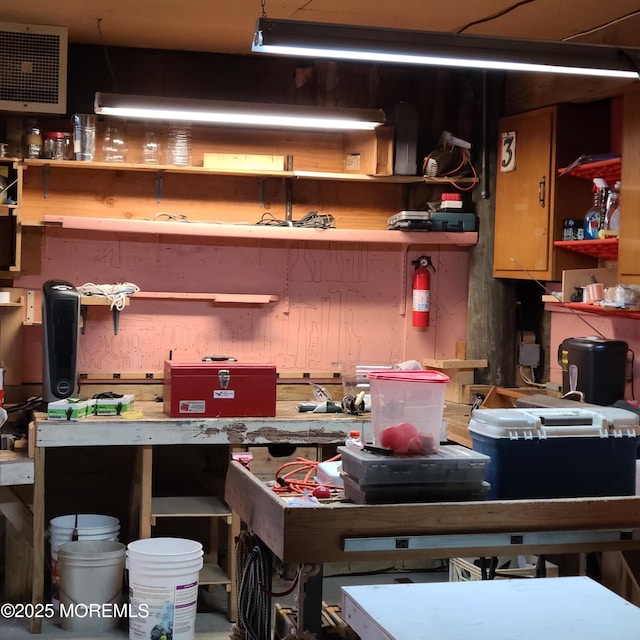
{"x": 557, "y": 452}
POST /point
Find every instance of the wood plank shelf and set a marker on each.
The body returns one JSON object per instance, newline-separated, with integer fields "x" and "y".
{"x": 265, "y": 232}
{"x": 305, "y": 175}
{"x": 221, "y": 298}
{"x": 188, "y": 507}
{"x": 599, "y": 310}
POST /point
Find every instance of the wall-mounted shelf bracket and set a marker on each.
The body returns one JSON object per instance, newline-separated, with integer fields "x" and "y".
{"x": 91, "y": 301}
{"x": 159, "y": 175}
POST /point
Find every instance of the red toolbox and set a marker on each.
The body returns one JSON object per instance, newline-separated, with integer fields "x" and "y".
{"x": 219, "y": 389}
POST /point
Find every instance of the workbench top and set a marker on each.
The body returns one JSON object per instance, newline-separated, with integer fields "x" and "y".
{"x": 156, "y": 428}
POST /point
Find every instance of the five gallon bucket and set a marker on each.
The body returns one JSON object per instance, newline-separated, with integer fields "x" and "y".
{"x": 89, "y": 526}
{"x": 163, "y": 587}
{"x": 91, "y": 576}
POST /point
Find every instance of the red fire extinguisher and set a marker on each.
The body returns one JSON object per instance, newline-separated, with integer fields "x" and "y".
{"x": 421, "y": 290}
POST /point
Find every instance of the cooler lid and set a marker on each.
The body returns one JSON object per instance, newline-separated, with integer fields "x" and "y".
{"x": 547, "y": 422}
{"x": 421, "y": 375}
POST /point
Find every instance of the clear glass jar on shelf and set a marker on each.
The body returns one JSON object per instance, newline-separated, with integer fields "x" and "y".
{"x": 114, "y": 146}
{"x": 33, "y": 141}
{"x": 179, "y": 146}
{"x": 57, "y": 145}
{"x": 151, "y": 148}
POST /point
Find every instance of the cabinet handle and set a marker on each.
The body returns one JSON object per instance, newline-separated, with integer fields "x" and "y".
{"x": 542, "y": 191}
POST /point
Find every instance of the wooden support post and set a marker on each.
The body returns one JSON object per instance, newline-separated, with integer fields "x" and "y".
{"x": 145, "y": 463}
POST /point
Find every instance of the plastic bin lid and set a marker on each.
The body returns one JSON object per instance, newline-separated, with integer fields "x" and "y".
{"x": 421, "y": 375}
{"x": 554, "y": 421}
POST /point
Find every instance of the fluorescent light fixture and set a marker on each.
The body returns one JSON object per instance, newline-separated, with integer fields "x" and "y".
{"x": 237, "y": 113}
{"x": 344, "y": 42}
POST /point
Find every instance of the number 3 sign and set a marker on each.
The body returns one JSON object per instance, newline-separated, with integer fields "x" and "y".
{"x": 507, "y": 151}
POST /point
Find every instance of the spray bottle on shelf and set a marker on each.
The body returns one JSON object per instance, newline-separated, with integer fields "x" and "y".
{"x": 595, "y": 218}
{"x": 612, "y": 219}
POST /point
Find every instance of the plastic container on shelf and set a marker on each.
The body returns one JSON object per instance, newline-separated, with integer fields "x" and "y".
{"x": 407, "y": 408}
{"x": 354, "y": 440}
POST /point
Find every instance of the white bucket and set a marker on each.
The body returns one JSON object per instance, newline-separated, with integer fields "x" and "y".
{"x": 163, "y": 587}
{"x": 91, "y": 577}
{"x": 90, "y": 526}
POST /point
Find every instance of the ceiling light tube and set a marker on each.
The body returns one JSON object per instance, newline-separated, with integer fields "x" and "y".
{"x": 344, "y": 42}
{"x": 220, "y": 112}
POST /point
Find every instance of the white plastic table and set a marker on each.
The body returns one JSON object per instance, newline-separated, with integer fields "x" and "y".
{"x": 524, "y": 609}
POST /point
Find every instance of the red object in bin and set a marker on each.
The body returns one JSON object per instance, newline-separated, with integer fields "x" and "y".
{"x": 219, "y": 389}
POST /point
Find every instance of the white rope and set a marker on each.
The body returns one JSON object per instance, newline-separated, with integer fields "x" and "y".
{"x": 117, "y": 293}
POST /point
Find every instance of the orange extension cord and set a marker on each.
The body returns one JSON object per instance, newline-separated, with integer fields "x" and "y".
{"x": 298, "y": 476}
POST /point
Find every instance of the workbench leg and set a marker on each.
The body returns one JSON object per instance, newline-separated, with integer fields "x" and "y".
{"x": 145, "y": 466}
{"x": 37, "y": 585}
{"x": 312, "y": 605}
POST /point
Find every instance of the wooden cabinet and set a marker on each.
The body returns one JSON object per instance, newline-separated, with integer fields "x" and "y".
{"x": 629, "y": 243}
{"x": 532, "y": 199}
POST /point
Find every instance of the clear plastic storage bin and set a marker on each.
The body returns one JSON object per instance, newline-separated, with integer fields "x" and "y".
{"x": 406, "y": 409}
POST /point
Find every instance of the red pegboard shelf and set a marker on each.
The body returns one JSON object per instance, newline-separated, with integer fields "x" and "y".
{"x": 603, "y": 249}
{"x": 602, "y": 311}
{"x": 609, "y": 170}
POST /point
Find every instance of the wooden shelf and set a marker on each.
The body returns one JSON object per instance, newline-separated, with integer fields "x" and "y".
{"x": 188, "y": 507}
{"x": 606, "y": 249}
{"x": 211, "y": 573}
{"x": 598, "y": 310}
{"x": 308, "y": 175}
{"x": 265, "y": 232}
{"x": 221, "y": 298}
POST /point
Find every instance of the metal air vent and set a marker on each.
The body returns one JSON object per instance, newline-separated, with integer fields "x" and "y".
{"x": 33, "y": 68}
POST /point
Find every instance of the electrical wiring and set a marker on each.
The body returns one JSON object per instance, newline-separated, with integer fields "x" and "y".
{"x": 297, "y": 476}
{"x": 311, "y": 219}
{"x": 604, "y": 25}
{"x": 253, "y": 568}
{"x": 117, "y": 293}
{"x": 528, "y": 380}
{"x": 465, "y": 161}
{"x": 493, "y": 16}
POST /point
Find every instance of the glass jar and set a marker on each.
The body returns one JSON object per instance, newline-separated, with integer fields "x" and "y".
{"x": 33, "y": 142}
{"x": 151, "y": 148}
{"x": 179, "y": 147}
{"x": 114, "y": 147}
{"x": 57, "y": 145}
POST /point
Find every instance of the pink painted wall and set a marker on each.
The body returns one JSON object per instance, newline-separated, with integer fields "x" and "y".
{"x": 339, "y": 302}
{"x": 565, "y": 324}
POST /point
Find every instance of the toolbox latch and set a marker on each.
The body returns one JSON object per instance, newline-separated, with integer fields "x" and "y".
{"x": 224, "y": 375}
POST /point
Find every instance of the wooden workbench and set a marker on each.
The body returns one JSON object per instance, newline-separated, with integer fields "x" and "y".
{"x": 156, "y": 428}
{"x": 340, "y": 531}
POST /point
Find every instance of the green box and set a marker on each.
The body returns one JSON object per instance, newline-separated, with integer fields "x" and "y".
{"x": 114, "y": 406}
{"x": 70, "y": 409}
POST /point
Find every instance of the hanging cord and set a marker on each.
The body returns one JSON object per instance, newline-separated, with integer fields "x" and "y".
{"x": 117, "y": 293}
{"x": 452, "y": 174}
{"x": 253, "y": 565}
